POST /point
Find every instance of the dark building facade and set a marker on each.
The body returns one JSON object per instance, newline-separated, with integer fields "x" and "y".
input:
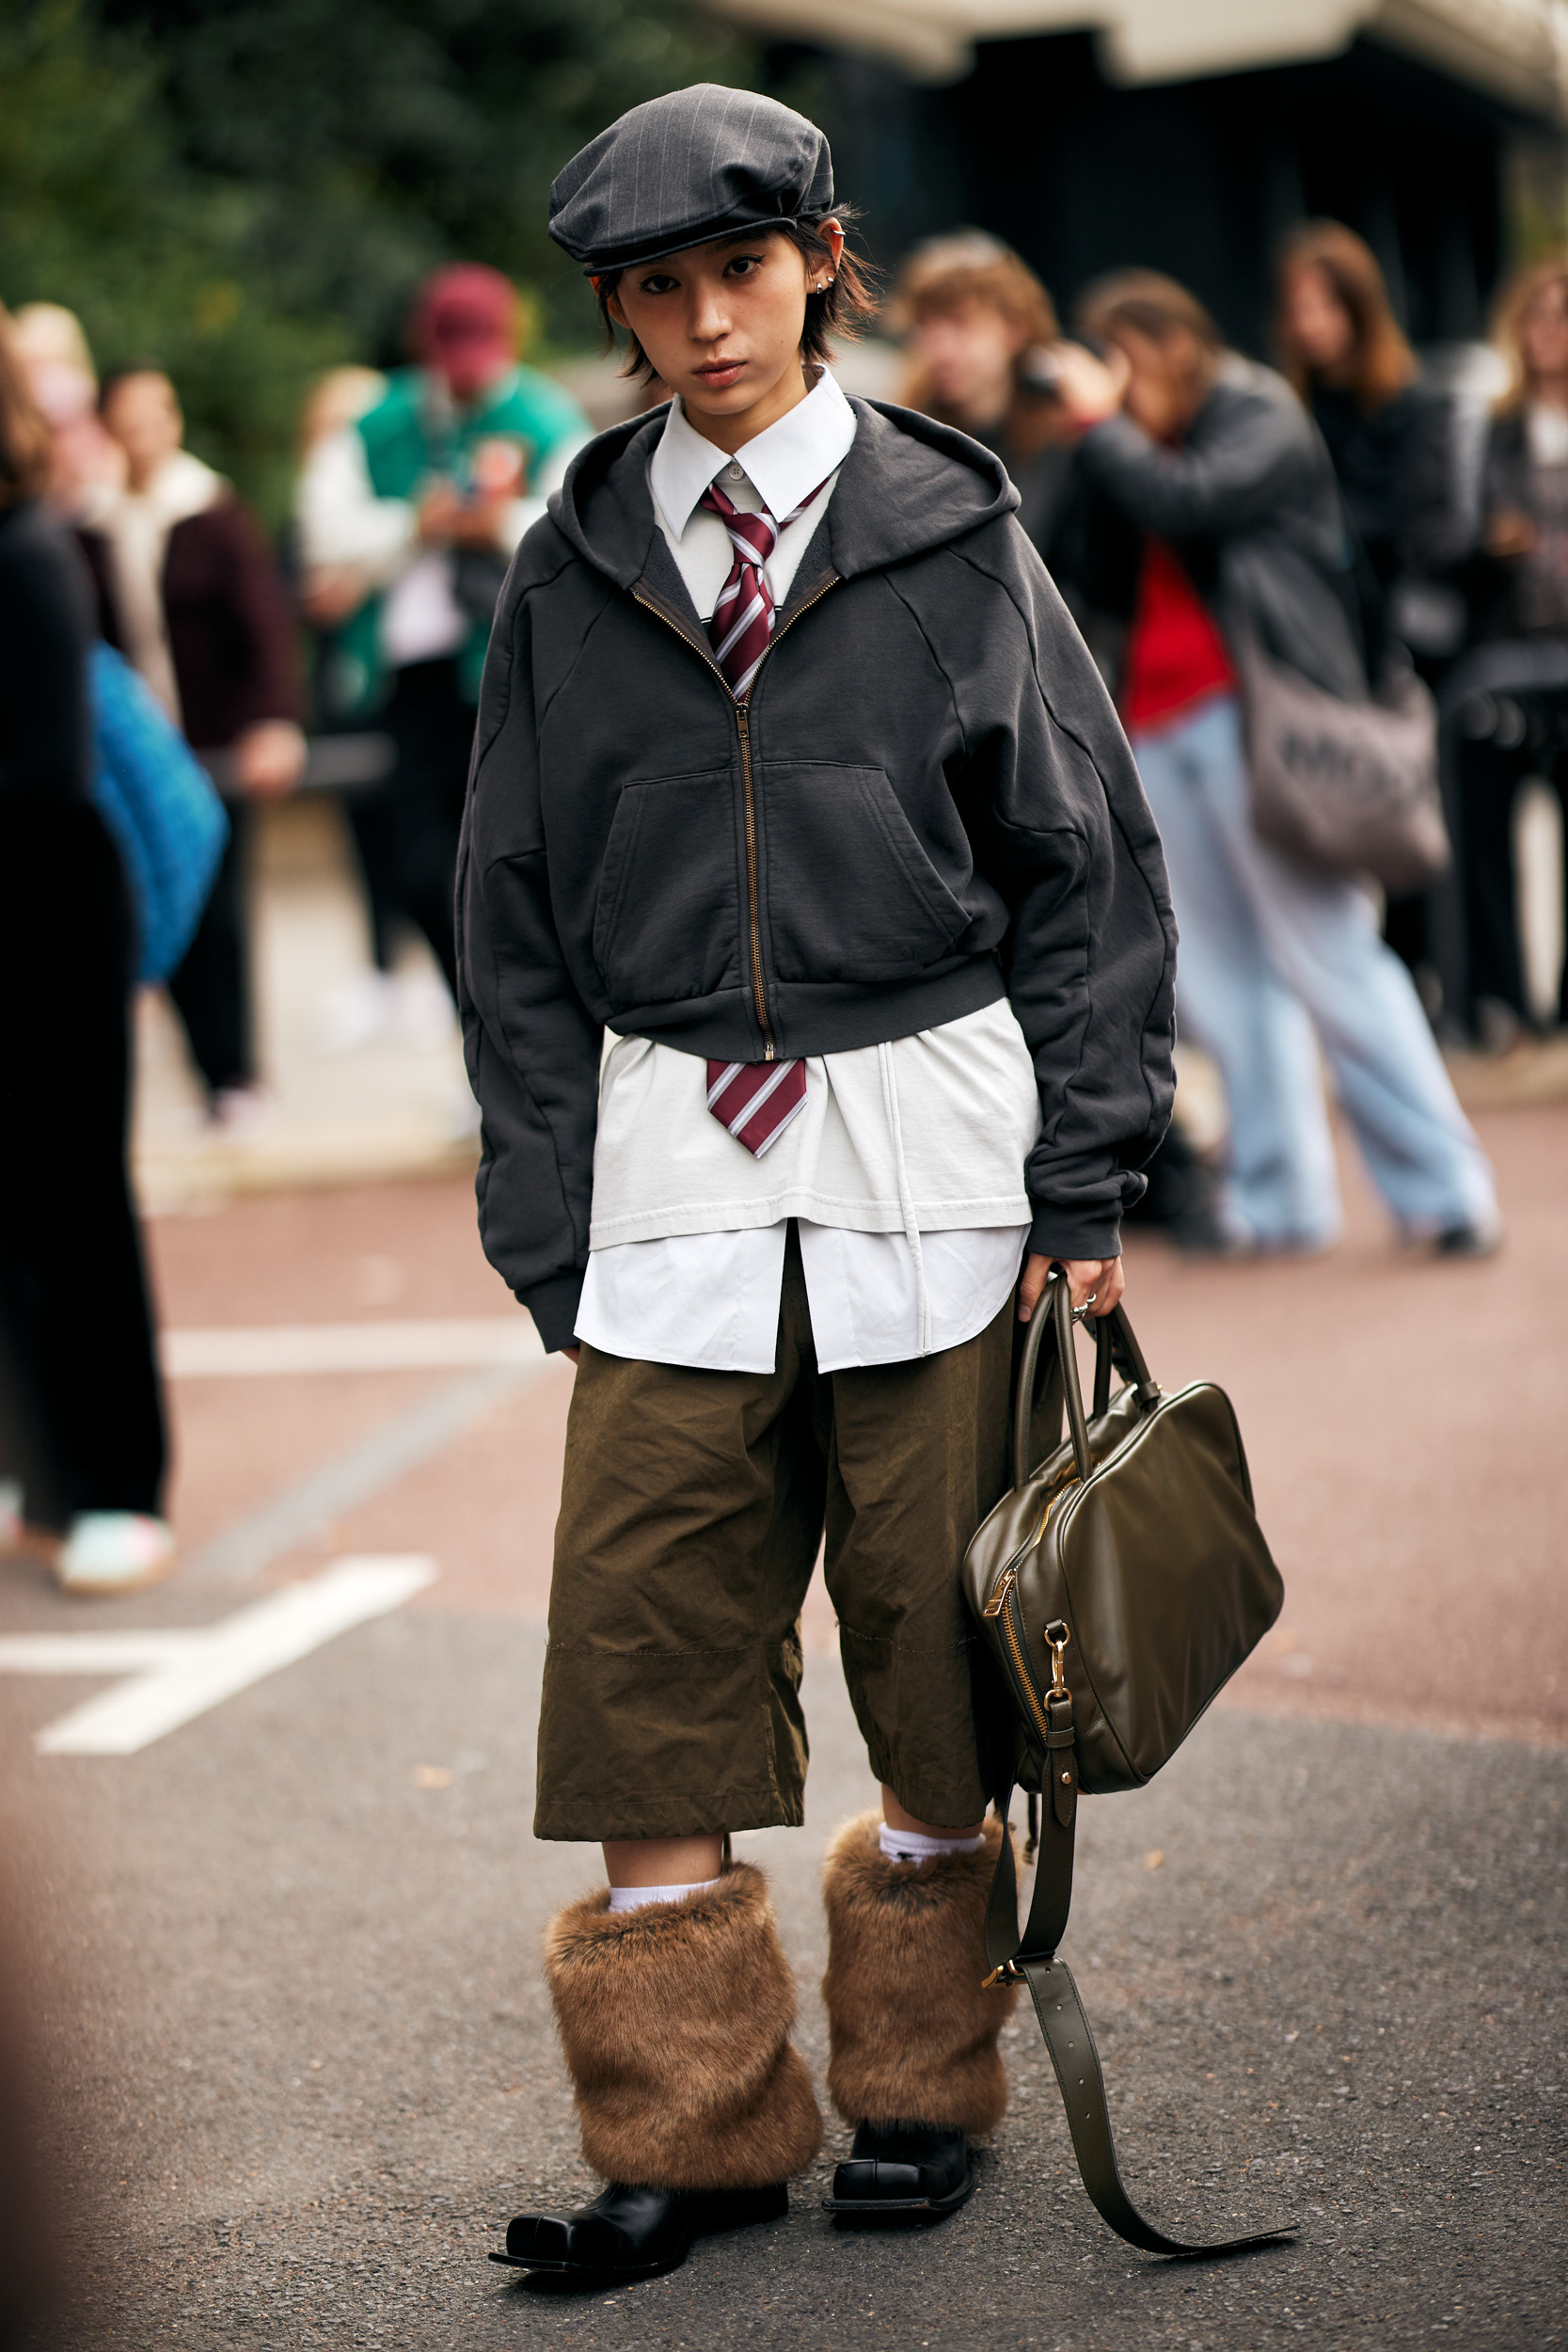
{"x": 1199, "y": 178}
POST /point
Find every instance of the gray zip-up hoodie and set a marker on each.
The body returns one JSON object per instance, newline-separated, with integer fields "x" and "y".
{"x": 926, "y": 805}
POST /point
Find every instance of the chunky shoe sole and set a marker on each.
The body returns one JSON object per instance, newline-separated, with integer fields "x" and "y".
{"x": 701, "y": 2215}
{"x": 870, "y": 2212}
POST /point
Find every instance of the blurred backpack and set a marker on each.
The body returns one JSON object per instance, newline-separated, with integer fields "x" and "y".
{"x": 159, "y": 802}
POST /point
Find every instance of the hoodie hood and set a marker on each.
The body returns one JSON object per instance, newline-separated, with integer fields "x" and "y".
{"x": 907, "y": 485}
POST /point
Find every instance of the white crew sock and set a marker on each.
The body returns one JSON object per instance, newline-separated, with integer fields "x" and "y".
{"x": 913, "y": 1845}
{"x": 633, "y": 1897}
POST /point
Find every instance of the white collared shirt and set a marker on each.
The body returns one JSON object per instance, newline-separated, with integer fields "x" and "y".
{"x": 778, "y": 470}
{"x": 906, "y": 1168}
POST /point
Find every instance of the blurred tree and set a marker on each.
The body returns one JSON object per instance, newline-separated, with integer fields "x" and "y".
{"x": 248, "y": 190}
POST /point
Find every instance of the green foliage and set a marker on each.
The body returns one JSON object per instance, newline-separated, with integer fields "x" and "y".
{"x": 249, "y": 190}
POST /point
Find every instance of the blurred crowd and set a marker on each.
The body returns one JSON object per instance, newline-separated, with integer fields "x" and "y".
{"x": 1340, "y": 514}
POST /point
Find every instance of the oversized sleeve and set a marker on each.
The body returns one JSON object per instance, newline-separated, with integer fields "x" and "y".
{"x": 1212, "y": 487}
{"x": 532, "y": 1047}
{"x": 1060, "y": 828}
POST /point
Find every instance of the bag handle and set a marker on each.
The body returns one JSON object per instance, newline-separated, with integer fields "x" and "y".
{"x": 1030, "y": 1959}
{"x": 1113, "y": 1340}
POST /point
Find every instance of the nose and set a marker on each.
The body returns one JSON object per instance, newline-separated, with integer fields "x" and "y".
{"x": 709, "y": 318}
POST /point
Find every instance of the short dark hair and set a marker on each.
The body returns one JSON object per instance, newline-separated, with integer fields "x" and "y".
{"x": 1149, "y": 303}
{"x": 842, "y": 309}
{"x": 117, "y": 377}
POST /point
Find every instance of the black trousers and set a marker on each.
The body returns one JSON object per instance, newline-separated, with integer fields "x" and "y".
{"x": 211, "y": 987}
{"x": 432, "y": 728}
{"x": 81, "y": 1411}
{"x": 1489, "y": 780}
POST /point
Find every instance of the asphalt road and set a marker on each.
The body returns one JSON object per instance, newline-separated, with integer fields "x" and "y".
{"x": 297, "y": 2056}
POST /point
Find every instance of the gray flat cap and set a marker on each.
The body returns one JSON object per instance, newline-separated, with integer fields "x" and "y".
{"x": 681, "y": 169}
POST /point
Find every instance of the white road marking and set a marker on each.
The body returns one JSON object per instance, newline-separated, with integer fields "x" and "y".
{"x": 177, "y": 1675}
{"x": 430, "y": 1344}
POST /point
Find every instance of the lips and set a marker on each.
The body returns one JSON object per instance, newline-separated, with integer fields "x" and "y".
{"x": 722, "y": 375}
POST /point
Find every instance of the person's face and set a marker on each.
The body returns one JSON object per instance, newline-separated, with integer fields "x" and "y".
{"x": 723, "y": 324}
{"x": 1318, "y": 327}
{"x": 1544, "y": 333}
{"x": 1164, "y": 386}
{"x": 470, "y": 364}
{"x": 144, "y": 418}
{"x": 967, "y": 352}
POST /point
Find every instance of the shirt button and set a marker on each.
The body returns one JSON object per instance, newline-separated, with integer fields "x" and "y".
{"x": 734, "y": 471}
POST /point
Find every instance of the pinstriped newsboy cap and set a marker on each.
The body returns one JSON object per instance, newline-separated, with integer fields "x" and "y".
{"x": 681, "y": 169}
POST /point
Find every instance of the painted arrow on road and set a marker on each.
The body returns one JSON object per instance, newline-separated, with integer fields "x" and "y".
{"x": 172, "y": 1676}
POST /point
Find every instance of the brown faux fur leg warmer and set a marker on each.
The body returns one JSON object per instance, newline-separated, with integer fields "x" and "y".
{"x": 913, "y": 2037}
{"x": 675, "y": 2021}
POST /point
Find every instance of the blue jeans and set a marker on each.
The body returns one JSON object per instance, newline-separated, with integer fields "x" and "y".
{"x": 1270, "y": 952}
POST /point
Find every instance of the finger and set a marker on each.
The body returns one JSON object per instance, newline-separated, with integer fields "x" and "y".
{"x": 1030, "y": 1286}
{"x": 1108, "y": 1288}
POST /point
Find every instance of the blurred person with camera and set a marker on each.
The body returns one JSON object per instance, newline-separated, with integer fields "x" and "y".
{"x": 1514, "y": 723}
{"x": 192, "y": 594}
{"x": 408, "y": 517}
{"x": 980, "y": 334}
{"x": 1216, "y": 512}
{"x": 978, "y": 330}
{"x": 82, "y": 1449}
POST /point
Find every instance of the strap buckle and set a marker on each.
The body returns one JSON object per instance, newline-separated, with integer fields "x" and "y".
{"x": 1008, "y": 1972}
{"x": 1058, "y": 1634}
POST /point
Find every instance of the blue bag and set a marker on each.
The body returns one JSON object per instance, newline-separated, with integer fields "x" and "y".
{"x": 158, "y": 801}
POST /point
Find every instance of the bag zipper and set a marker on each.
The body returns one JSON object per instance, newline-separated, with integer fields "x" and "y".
{"x": 743, "y": 729}
{"x": 1004, "y": 1604}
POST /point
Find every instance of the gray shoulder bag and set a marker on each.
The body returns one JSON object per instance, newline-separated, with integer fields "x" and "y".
{"x": 1347, "y": 785}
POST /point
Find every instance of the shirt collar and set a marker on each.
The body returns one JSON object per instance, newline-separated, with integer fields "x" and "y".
{"x": 784, "y": 464}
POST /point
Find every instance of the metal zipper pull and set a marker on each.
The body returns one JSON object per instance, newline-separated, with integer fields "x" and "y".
{"x": 998, "y": 1600}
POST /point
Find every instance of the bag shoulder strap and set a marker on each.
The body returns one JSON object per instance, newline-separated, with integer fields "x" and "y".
{"x": 1030, "y": 1957}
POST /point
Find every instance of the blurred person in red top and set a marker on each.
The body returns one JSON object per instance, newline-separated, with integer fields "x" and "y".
{"x": 192, "y": 596}
{"x": 1212, "y": 507}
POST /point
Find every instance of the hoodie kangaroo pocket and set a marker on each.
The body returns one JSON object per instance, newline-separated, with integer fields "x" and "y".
{"x": 667, "y": 919}
{"x": 851, "y": 893}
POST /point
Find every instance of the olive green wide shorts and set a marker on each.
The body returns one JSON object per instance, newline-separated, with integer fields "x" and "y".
{"x": 692, "y": 1511}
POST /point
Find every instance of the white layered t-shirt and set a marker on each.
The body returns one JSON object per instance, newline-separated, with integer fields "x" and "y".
{"x": 905, "y": 1168}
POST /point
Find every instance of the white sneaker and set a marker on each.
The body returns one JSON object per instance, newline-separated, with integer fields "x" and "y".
{"x": 360, "y": 1009}
{"x": 106, "y": 1552}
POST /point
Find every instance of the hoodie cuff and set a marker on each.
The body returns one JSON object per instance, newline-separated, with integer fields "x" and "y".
{"x": 553, "y": 1305}
{"x": 1076, "y": 1233}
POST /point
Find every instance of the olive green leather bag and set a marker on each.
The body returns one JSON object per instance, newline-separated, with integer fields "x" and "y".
{"x": 1117, "y": 1587}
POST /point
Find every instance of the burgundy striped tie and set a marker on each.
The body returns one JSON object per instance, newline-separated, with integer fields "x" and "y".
{"x": 755, "y": 1100}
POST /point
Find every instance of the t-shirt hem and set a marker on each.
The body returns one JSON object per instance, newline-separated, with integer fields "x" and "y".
{"x": 684, "y": 1219}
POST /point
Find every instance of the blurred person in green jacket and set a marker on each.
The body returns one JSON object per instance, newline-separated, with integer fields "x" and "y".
{"x": 407, "y": 518}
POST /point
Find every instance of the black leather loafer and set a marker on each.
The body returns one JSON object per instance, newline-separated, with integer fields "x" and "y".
{"x": 630, "y": 2232}
{"x": 902, "y": 2172}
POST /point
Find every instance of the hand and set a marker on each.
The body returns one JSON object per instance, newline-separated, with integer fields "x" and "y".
{"x": 438, "y": 515}
{"x": 481, "y": 523}
{"x": 330, "y": 591}
{"x": 1090, "y": 390}
{"x": 1509, "y": 532}
{"x": 269, "y": 759}
{"x": 1100, "y": 1278}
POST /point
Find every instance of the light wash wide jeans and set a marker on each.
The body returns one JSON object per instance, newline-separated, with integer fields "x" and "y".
{"x": 1270, "y": 952}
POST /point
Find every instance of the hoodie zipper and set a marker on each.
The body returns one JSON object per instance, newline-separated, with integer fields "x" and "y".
{"x": 743, "y": 730}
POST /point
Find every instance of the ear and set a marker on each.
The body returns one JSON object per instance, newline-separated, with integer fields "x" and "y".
{"x": 831, "y": 234}
{"x": 612, "y": 304}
